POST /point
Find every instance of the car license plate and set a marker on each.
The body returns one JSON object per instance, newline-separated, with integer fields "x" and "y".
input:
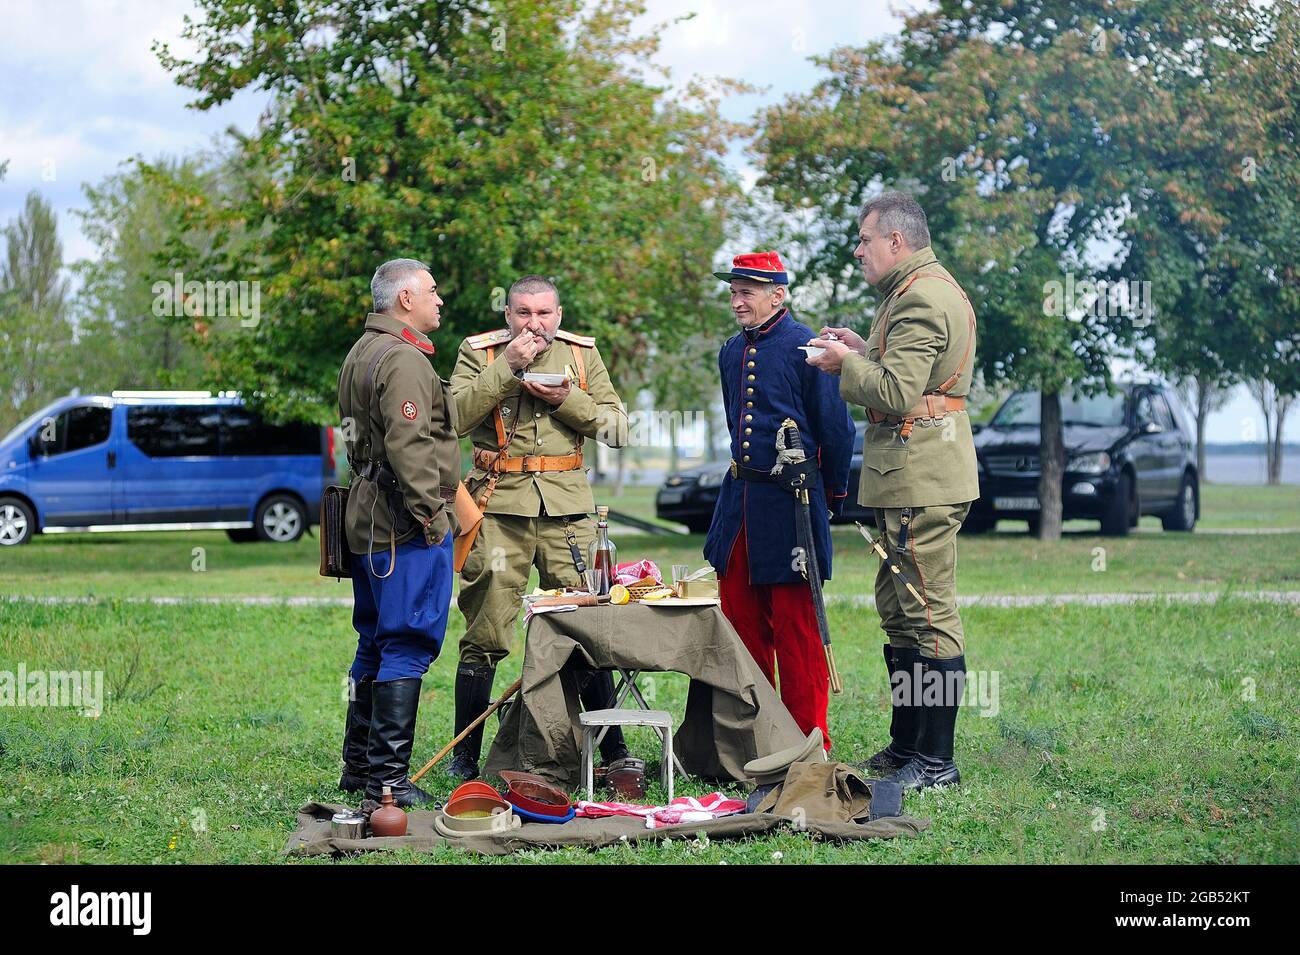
{"x": 670, "y": 497}
{"x": 1015, "y": 504}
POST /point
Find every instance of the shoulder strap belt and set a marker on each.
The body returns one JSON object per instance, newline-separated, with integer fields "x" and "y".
{"x": 928, "y": 408}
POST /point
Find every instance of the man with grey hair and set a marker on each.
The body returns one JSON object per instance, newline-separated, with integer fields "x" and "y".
{"x": 912, "y": 374}
{"x": 400, "y": 435}
{"x": 528, "y": 480}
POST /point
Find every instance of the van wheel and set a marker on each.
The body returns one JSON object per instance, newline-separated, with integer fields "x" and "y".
{"x": 1183, "y": 515}
{"x": 1118, "y": 517}
{"x": 241, "y": 535}
{"x": 17, "y": 522}
{"x": 280, "y": 518}
{"x": 978, "y": 524}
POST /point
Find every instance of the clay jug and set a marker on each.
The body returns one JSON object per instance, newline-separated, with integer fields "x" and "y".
{"x": 388, "y": 819}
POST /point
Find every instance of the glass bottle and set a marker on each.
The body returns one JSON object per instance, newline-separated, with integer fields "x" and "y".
{"x": 602, "y": 556}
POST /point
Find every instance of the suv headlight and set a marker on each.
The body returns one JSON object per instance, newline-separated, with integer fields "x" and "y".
{"x": 1096, "y": 463}
{"x": 712, "y": 478}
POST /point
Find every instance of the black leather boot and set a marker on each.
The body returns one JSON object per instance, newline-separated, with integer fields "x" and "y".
{"x": 356, "y": 736}
{"x": 392, "y": 735}
{"x": 933, "y": 764}
{"x": 596, "y": 690}
{"x": 473, "y": 696}
{"x": 905, "y": 718}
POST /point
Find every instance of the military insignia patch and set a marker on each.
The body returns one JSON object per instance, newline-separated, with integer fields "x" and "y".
{"x": 408, "y": 410}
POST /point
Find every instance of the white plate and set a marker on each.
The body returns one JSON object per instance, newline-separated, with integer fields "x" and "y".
{"x": 543, "y": 378}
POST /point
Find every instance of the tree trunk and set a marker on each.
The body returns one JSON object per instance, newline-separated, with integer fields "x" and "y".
{"x": 1051, "y": 463}
{"x": 673, "y": 453}
{"x": 1275, "y": 458}
{"x": 711, "y": 427}
{"x": 1202, "y": 416}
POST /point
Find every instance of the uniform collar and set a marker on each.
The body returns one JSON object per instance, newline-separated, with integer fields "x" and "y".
{"x": 895, "y": 276}
{"x": 751, "y": 334}
{"x": 378, "y": 322}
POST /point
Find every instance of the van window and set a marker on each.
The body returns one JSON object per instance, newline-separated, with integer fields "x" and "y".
{"x": 243, "y": 432}
{"x": 78, "y": 428}
{"x": 174, "y": 431}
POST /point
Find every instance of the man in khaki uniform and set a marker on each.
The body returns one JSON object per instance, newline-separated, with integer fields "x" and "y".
{"x": 912, "y": 373}
{"x": 399, "y": 425}
{"x": 529, "y": 480}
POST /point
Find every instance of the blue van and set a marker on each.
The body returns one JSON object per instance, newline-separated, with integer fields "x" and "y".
{"x": 161, "y": 460}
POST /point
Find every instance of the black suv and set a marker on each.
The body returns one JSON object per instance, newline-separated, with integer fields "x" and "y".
{"x": 1127, "y": 454}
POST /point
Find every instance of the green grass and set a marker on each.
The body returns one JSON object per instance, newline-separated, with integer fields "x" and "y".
{"x": 164, "y": 564}
{"x": 1131, "y": 717}
{"x": 1149, "y": 733}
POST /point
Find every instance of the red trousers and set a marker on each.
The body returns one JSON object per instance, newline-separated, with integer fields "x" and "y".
{"x": 778, "y": 626}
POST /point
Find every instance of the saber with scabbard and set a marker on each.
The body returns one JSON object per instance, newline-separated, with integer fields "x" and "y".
{"x": 889, "y": 561}
{"x": 795, "y": 472}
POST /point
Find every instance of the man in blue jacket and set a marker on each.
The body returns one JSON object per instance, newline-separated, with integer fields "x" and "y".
{"x": 753, "y": 541}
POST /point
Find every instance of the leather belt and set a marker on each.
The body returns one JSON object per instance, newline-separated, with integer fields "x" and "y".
{"x": 749, "y": 474}
{"x": 529, "y": 464}
{"x": 931, "y": 408}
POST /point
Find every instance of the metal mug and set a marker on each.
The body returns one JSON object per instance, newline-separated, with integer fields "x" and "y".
{"x": 348, "y": 825}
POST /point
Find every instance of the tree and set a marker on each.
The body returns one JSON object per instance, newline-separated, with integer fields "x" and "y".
{"x": 1204, "y": 395}
{"x": 1027, "y": 129}
{"x": 34, "y": 331}
{"x": 140, "y": 339}
{"x": 489, "y": 139}
{"x": 1215, "y": 226}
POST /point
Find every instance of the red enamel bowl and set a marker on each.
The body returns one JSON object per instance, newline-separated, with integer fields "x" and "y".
{"x": 473, "y": 788}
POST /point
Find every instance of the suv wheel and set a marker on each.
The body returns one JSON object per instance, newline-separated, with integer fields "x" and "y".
{"x": 1183, "y": 515}
{"x": 280, "y": 518}
{"x": 17, "y": 522}
{"x": 1118, "y": 517}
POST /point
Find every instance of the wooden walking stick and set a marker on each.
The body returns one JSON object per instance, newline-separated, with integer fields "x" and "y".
{"x": 510, "y": 691}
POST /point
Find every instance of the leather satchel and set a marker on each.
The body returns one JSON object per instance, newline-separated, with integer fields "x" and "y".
{"x": 335, "y": 558}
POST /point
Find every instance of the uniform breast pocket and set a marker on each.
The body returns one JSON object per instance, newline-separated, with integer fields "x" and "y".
{"x": 884, "y": 460}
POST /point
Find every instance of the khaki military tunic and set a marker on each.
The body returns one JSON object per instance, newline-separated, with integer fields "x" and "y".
{"x": 409, "y": 422}
{"x": 921, "y": 485}
{"x": 530, "y": 515}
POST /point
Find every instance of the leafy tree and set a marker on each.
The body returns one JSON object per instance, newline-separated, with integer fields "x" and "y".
{"x": 35, "y": 335}
{"x": 487, "y": 138}
{"x": 1027, "y": 130}
{"x": 140, "y": 339}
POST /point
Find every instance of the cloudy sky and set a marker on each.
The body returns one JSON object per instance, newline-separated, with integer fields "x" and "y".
{"x": 81, "y": 91}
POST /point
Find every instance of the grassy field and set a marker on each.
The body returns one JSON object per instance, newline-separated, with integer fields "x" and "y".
{"x": 1151, "y": 733}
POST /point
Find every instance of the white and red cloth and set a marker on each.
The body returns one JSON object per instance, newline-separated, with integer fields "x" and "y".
{"x": 681, "y": 809}
{"x": 637, "y": 570}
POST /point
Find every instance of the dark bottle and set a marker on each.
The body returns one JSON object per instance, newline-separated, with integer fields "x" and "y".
{"x": 603, "y": 555}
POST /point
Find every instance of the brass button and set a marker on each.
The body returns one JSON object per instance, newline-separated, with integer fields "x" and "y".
{"x": 753, "y": 351}
{"x": 750, "y": 417}
{"x": 745, "y": 458}
{"x": 537, "y": 414}
{"x": 749, "y": 391}
{"x": 751, "y": 377}
{"x": 744, "y": 444}
{"x": 751, "y": 364}
{"x": 749, "y": 431}
{"x": 749, "y": 404}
